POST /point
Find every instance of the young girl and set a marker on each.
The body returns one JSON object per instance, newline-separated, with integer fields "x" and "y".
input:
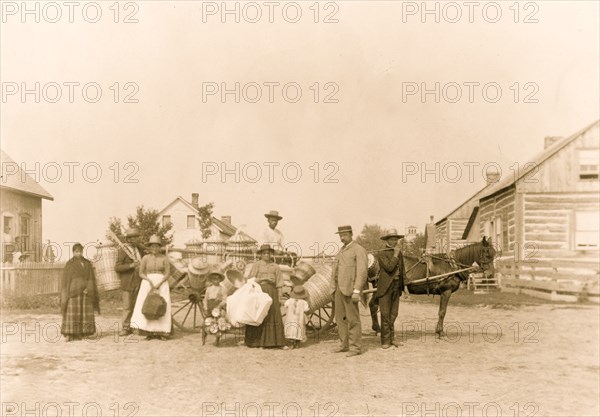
{"x": 295, "y": 318}
{"x": 214, "y": 296}
{"x": 214, "y": 305}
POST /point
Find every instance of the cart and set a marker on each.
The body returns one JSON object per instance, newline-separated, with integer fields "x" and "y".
{"x": 187, "y": 293}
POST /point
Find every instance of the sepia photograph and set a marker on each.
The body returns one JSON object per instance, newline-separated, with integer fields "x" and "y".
{"x": 300, "y": 208}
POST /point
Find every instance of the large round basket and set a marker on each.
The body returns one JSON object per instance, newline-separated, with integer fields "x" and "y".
{"x": 318, "y": 288}
{"x": 373, "y": 267}
{"x": 104, "y": 264}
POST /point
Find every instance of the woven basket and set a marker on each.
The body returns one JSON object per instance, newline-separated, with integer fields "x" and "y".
{"x": 318, "y": 288}
{"x": 104, "y": 264}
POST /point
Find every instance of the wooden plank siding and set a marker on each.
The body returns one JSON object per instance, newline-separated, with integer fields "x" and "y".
{"x": 17, "y": 205}
{"x": 500, "y": 206}
{"x": 549, "y": 220}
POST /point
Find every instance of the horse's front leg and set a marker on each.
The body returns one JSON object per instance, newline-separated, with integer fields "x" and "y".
{"x": 444, "y": 298}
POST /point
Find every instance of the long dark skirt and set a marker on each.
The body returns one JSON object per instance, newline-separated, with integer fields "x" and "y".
{"x": 270, "y": 332}
{"x": 78, "y": 320}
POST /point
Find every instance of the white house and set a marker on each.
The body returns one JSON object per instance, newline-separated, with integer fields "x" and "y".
{"x": 186, "y": 224}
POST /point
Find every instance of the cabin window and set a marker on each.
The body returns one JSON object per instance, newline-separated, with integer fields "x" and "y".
{"x": 588, "y": 164}
{"x": 587, "y": 232}
{"x": 166, "y": 220}
{"x": 25, "y": 235}
{"x": 191, "y": 222}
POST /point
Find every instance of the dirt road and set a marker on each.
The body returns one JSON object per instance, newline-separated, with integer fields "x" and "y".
{"x": 536, "y": 360}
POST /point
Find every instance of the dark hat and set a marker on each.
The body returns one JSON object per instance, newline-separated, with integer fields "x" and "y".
{"x": 132, "y": 232}
{"x": 343, "y": 229}
{"x": 273, "y": 213}
{"x": 265, "y": 247}
{"x": 391, "y": 233}
{"x": 299, "y": 292}
{"x": 154, "y": 240}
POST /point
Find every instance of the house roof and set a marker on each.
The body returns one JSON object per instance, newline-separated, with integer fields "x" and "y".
{"x": 224, "y": 227}
{"x": 536, "y": 162}
{"x": 494, "y": 188}
{"x": 20, "y": 181}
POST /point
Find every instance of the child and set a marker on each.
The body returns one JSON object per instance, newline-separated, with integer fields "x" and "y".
{"x": 295, "y": 318}
{"x": 214, "y": 305}
{"x": 214, "y": 296}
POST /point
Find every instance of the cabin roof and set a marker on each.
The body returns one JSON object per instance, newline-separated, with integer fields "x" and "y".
{"x": 536, "y": 161}
{"x": 21, "y": 181}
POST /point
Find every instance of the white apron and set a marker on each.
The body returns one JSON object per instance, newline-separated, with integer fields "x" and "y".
{"x": 139, "y": 321}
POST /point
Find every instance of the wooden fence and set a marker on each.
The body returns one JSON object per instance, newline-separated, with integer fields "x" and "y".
{"x": 31, "y": 278}
{"x": 552, "y": 279}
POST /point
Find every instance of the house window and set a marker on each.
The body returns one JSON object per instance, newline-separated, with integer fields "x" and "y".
{"x": 24, "y": 241}
{"x": 588, "y": 164}
{"x": 587, "y": 230}
{"x": 7, "y": 230}
{"x": 191, "y": 222}
{"x": 166, "y": 220}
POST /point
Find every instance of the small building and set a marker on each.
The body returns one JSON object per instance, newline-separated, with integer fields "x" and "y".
{"x": 185, "y": 218}
{"x": 551, "y": 209}
{"x": 21, "y": 211}
{"x": 544, "y": 221}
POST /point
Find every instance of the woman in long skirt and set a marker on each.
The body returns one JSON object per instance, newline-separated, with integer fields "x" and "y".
{"x": 270, "y": 333}
{"x": 78, "y": 297}
{"x": 154, "y": 271}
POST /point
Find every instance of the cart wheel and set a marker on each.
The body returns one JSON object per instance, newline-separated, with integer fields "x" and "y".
{"x": 322, "y": 319}
{"x": 187, "y": 314}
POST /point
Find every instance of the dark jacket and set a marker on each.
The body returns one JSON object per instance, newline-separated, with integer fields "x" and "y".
{"x": 78, "y": 276}
{"x": 129, "y": 276}
{"x": 390, "y": 267}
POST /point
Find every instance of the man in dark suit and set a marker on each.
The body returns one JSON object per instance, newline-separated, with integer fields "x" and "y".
{"x": 349, "y": 277}
{"x": 390, "y": 286}
{"x": 128, "y": 262}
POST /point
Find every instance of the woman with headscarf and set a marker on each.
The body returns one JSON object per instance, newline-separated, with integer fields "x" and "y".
{"x": 154, "y": 271}
{"x": 270, "y": 333}
{"x": 78, "y": 297}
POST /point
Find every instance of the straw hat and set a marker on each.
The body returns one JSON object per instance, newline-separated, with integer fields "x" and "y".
{"x": 344, "y": 229}
{"x": 391, "y": 233}
{"x": 298, "y": 292}
{"x": 154, "y": 240}
{"x": 132, "y": 232}
{"x": 198, "y": 267}
{"x": 273, "y": 213}
{"x": 302, "y": 272}
{"x": 265, "y": 247}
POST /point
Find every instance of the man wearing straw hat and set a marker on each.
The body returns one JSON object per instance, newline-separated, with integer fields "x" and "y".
{"x": 271, "y": 235}
{"x": 349, "y": 277}
{"x": 390, "y": 285}
{"x": 128, "y": 262}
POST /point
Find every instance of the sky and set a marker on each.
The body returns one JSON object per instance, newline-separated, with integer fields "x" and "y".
{"x": 334, "y": 107}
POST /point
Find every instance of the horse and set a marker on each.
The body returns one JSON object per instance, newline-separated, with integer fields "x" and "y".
{"x": 419, "y": 269}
